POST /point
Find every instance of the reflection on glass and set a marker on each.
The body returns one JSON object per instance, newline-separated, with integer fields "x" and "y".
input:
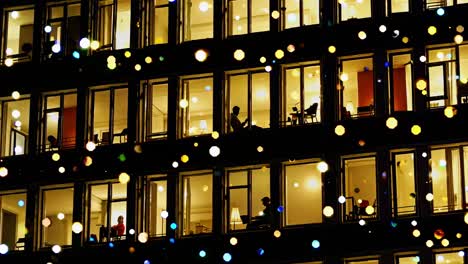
{"x": 296, "y": 17}
{"x": 13, "y": 224}
{"x": 57, "y": 206}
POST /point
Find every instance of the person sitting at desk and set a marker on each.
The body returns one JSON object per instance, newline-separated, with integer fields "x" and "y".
{"x": 236, "y": 124}
{"x": 118, "y": 229}
{"x": 266, "y": 219}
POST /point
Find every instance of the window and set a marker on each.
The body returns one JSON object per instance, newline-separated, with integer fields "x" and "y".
{"x": 156, "y": 22}
{"x": 396, "y": 6}
{"x": 370, "y": 261}
{"x": 58, "y": 121}
{"x": 18, "y": 35}
{"x": 408, "y": 260}
{"x": 403, "y": 183}
{"x": 442, "y": 82}
{"x": 197, "y": 19}
{"x": 245, "y": 189}
{"x": 57, "y": 217}
{"x": 108, "y": 123}
{"x": 250, "y": 91}
{"x": 112, "y": 28}
{"x": 196, "y": 106}
{"x": 107, "y": 202}
{"x": 13, "y": 219}
{"x": 449, "y": 257}
{"x": 354, "y": 9}
{"x": 301, "y": 95}
{"x": 15, "y": 127}
{"x": 356, "y": 93}
{"x": 155, "y": 204}
{"x": 446, "y": 176}
{"x": 248, "y": 16}
{"x": 433, "y": 4}
{"x": 154, "y": 109}
{"x": 301, "y": 13}
{"x": 359, "y": 188}
{"x": 303, "y": 186}
{"x": 197, "y": 203}
{"x": 401, "y": 81}
{"x": 64, "y": 36}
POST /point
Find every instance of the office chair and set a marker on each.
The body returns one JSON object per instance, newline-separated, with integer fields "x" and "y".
{"x": 311, "y": 112}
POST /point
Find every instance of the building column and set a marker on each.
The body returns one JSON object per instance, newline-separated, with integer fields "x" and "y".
{"x": 135, "y": 23}
{"x": 39, "y": 18}
{"x": 173, "y": 105}
{"x": 132, "y": 211}
{"x": 380, "y": 83}
{"x": 275, "y": 189}
{"x": 34, "y": 123}
{"x": 328, "y": 13}
{"x": 218, "y": 200}
{"x": 419, "y": 73}
{"x": 79, "y": 200}
{"x": 275, "y": 24}
{"x": 330, "y": 186}
{"x": 329, "y": 103}
{"x": 32, "y": 215}
{"x": 218, "y": 101}
{"x": 416, "y": 7}
{"x": 423, "y": 185}
{"x": 173, "y": 27}
{"x": 132, "y": 114}
{"x": 383, "y": 181}
{"x": 172, "y": 205}
{"x": 82, "y": 117}
{"x": 275, "y": 95}
{"x": 218, "y": 19}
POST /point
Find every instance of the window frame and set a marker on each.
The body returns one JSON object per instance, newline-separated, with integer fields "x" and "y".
{"x": 227, "y": 98}
{"x": 394, "y": 188}
{"x": 92, "y": 95}
{"x": 145, "y": 112}
{"x": 248, "y": 187}
{"x": 148, "y": 179}
{"x": 301, "y": 14}
{"x": 110, "y": 200}
{"x": 14, "y": 192}
{"x": 12, "y": 131}
{"x": 391, "y": 89}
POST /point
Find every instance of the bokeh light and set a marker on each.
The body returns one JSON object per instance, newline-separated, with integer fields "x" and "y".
{"x": 77, "y": 227}
{"x": 416, "y": 130}
{"x": 3, "y": 249}
{"x": 421, "y": 84}
{"x": 201, "y": 55}
{"x": 143, "y": 237}
{"x": 184, "y": 158}
{"x": 328, "y": 211}
{"x": 279, "y": 54}
{"x": 124, "y": 178}
{"x": 90, "y": 146}
{"x": 15, "y": 95}
{"x": 315, "y": 244}
{"x": 239, "y": 54}
{"x": 55, "y": 157}
{"x": 46, "y": 222}
{"x": 362, "y": 35}
{"x": 322, "y": 166}
{"x": 56, "y": 249}
{"x": 233, "y": 241}
{"x": 432, "y": 30}
{"x": 275, "y": 14}
{"x": 450, "y": 111}
{"x": 391, "y": 122}
{"x": 340, "y": 130}
{"x": 3, "y": 171}
{"x": 202, "y": 253}
{"x": 277, "y": 233}
{"x": 416, "y": 233}
{"x": 227, "y": 257}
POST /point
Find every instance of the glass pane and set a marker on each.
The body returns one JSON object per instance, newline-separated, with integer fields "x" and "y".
{"x": 157, "y": 204}
{"x": 439, "y": 55}
{"x": 436, "y": 84}
{"x": 293, "y": 95}
{"x": 455, "y": 191}
{"x": 16, "y": 120}
{"x": 405, "y": 186}
{"x": 118, "y": 218}
{"x": 105, "y": 23}
{"x": 52, "y": 119}
{"x": 200, "y": 106}
{"x": 260, "y": 15}
{"x": 198, "y": 204}
{"x": 238, "y": 96}
{"x": 260, "y": 100}
{"x": 13, "y": 215}
{"x": 101, "y": 116}
{"x": 238, "y": 17}
{"x": 311, "y": 12}
{"x": 238, "y": 207}
{"x": 159, "y": 108}
{"x": 312, "y": 93}
{"x": 360, "y": 188}
{"x": 438, "y": 176}
{"x": 19, "y": 39}
{"x": 198, "y": 23}
{"x": 452, "y": 257}
{"x": 98, "y": 215}
{"x": 161, "y": 22}
{"x": 56, "y": 12}
{"x": 238, "y": 178}
{"x": 120, "y": 116}
{"x": 119, "y": 191}
{"x": 408, "y": 260}
{"x": 303, "y": 187}
{"x": 363, "y": 262}
{"x": 260, "y": 189}
{"x": 358, "y": 87}
{"x": 355, "y": 9}
{"x": 74, "y": 10}
{"x": 293, "y": 14}
{"x": 122, "y": 32}
{"x": 402, "y": 84}
{"x": 399, "y": 6}
{"x": 58, "y": 208}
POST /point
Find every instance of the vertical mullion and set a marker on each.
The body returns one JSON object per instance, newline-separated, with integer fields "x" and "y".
{"x": 111, "y": 115}
{"x": 462, "y": 178}
{"x": 249, "y": 15}
{"x": 301, "y": 13}
{"x": 249, "y": 98}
